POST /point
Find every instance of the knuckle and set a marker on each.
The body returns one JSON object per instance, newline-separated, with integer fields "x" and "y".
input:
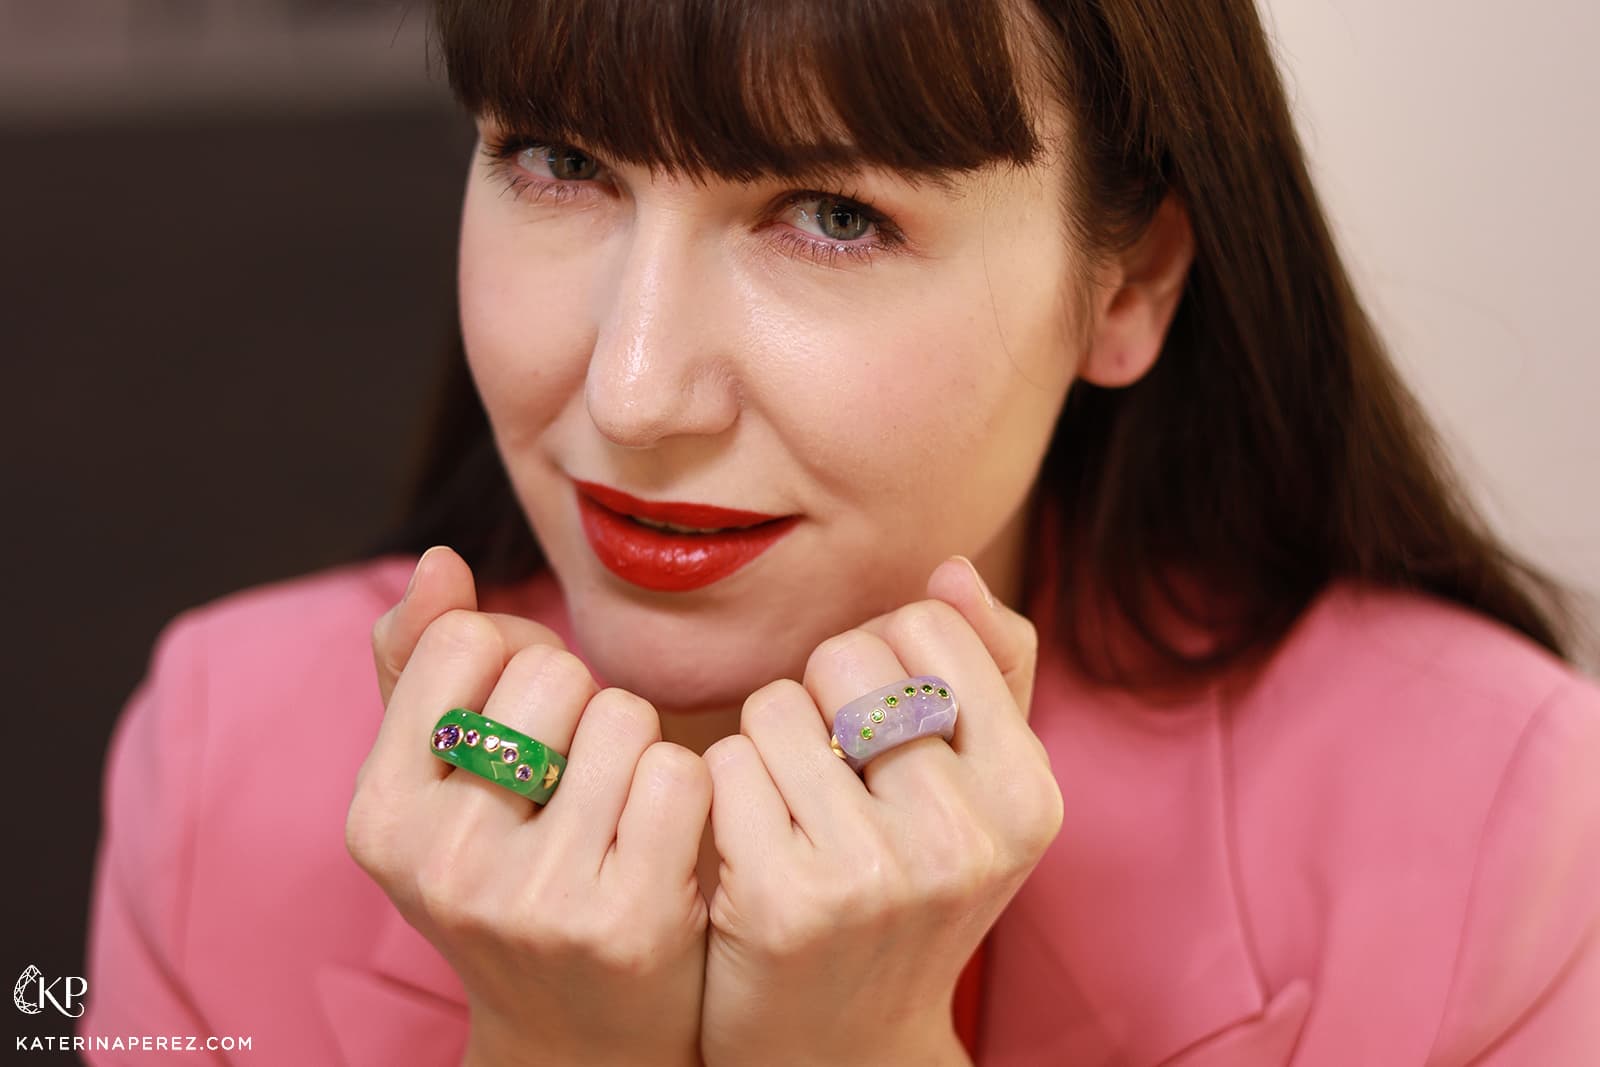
{"x": 368, "y": 834}
{"x": 380, "y": 632}
{"x": 363, "y": 843}
{"x": 1040, "y": 819}
{"x": 550, "y": 666}
{"x": 836, "y": 649}
{"x": 714, "y": 751}
{"x": 1028, "y": 635}
{"x": 623, "y": 715}
{"x": 460, "y": 631}
{"x": 672, "y": 766}
{"x": 964, "y": 863}
{"x": 435, "y": 890}
{"x": 770, "y": 699}
{"x": 917, "y": 622}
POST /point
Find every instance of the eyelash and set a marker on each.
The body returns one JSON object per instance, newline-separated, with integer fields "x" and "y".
{"x": 501, "y": 152}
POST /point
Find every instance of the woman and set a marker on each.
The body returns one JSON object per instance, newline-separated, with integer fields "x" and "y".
{"x": 1259, "y": 749}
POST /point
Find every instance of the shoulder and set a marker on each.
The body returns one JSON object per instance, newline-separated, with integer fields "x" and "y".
{"x": 1414, "y": 794}
{"x": 1404, "y": 687}
{"x": 305, "y": 617}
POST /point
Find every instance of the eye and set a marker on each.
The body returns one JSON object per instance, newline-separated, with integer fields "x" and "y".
{"x": 848, "y": 226}
{"x": 565, "y": 163}
{"x": 836, "y": 219}
{"x": 845, "y": 224}
{"x": 516, "y": 160}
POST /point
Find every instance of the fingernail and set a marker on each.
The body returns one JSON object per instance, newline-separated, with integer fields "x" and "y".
{"x": 417, "y": 571}
{"x": 988, "y": 598}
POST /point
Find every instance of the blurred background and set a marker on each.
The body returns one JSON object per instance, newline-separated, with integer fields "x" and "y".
{"x": 227, "y": 268}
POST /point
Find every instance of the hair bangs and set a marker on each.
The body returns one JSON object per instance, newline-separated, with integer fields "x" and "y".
{"x": 744, "y": 89}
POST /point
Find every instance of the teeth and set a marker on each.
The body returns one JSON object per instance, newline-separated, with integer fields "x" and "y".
{"x": 681, "y": 529}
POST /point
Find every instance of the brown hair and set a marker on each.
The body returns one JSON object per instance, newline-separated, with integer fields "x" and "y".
{"x": 1272, "y": 446}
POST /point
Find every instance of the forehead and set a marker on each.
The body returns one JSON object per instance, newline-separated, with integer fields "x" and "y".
{"x": 765, "y": 88}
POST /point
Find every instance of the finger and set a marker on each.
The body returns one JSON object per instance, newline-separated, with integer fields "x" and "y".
{"x": 787, "y": 728}
{"x": 750, "y": 823}
{"x": 1009, "y": 636}
{"x": 457, "y": 661}
{"x": 541, "y": 693}
{"x": 613, "y": 732}
{"x": 658, "y": 835}
{"x": 856, "y": 662}
{"x": 932, "y": 637}
{"x": 442, "y": 582}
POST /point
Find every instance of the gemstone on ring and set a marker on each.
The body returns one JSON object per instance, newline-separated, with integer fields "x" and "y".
{"x": 446, "y": 737}
{"x": 508, "y": 752}
{"x": 491, "y": 743}
{"x": 470, "y": 737}
{"x": 523, "y": 772}
{"x": 876, "y": 716}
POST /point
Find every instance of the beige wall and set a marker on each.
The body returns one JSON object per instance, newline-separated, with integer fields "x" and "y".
{"x": 1454, "y": 145}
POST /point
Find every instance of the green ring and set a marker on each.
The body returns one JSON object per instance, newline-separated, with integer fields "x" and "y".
{"x": 539, "y": 758}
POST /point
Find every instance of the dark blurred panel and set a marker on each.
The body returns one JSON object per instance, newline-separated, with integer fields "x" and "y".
{"x": 219, "y": 329}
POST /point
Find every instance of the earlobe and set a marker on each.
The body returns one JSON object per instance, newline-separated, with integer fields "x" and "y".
{"x": 1135, "y": 308}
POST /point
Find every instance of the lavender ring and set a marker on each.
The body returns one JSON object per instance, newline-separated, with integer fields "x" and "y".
{"x": 891, "y": 715}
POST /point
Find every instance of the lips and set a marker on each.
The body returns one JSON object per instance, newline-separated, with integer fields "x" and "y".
{"x": 700, "y": 516}
{"x": 669, "y": 561}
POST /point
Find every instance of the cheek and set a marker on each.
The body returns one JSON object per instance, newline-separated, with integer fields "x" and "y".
{"x": 522, "y": 357}
{"x": 903, "y": 391}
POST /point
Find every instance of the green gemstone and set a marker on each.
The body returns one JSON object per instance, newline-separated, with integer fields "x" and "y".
{"x": 911, "y": 690}
{"x": 876, "y": 716}
{"x": 891, "y": 700}
{"x": 943, "y": 691}
{"x": 866, "y": 733}
{"x": 926, "y": 688}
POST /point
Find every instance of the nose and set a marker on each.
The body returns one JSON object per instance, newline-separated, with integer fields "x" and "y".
{"x": 659, "y": 366}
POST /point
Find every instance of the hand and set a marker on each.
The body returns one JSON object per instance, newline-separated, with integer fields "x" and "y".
{"x": 578, "y": 929}
{"x": 846, "y": 910}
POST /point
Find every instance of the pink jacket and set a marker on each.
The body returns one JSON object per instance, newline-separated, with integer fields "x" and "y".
{"x": 1386, "y": 852}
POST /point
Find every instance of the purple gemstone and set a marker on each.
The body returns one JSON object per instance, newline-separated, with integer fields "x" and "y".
{"x": 524, "y": 772}
{"x": 446, "y": 736}
{"x": 470, "y": 737}
{"x": 508, "y": 753}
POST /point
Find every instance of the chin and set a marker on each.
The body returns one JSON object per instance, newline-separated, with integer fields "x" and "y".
{"x": 685, "y": 673}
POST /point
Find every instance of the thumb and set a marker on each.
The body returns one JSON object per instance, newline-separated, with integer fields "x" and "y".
{"x": 1009, "y": 636}
{"x": 442, "y": 582}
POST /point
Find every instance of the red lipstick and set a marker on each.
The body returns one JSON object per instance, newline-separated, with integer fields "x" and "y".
{"x": 667, "y": 560}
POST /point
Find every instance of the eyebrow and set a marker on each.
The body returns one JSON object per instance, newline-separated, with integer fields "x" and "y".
{"x": 839, "y": 163}
{"x": 946, "y": 180}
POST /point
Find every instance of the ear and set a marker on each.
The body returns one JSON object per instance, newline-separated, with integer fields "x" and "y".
{"x": 1137, "y": 297}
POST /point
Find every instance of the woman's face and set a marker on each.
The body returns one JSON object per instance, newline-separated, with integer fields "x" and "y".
{"x": 893, "y": 384}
